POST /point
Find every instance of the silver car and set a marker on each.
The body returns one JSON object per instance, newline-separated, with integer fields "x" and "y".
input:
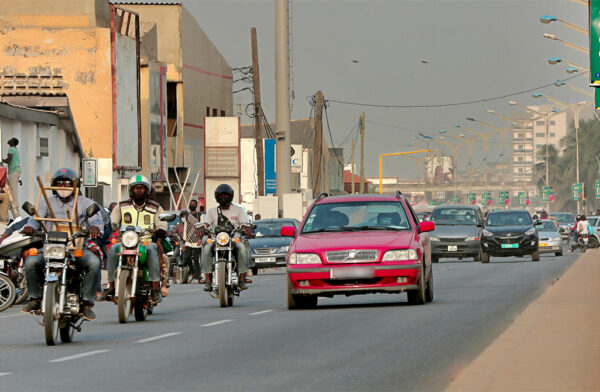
{"x": 550, "y": 238}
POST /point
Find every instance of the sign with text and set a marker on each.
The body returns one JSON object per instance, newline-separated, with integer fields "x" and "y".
{"x": 594, "y": 33}
{"x": 221, "y": 155}
{"x": 576, "y": 191}
{"x": 547, "y": 194}
{"x": 90, "y": 172}
{"x": 221, "y": 162}
{"x": 296, "y": 158}
{"x": 270, "y": 175}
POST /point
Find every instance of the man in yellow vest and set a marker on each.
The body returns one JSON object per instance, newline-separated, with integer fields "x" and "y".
{"x": 140, "y": 211}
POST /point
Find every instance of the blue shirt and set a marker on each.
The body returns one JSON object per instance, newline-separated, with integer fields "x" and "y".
{"x": 60, "y": 211}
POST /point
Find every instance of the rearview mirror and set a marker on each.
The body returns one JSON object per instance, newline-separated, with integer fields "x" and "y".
{"x": 92, "y": 210}
{"x": 167, "y": 217}
{"x": 28, "y": 208}
{"x": 426, "y": 226}
{"x": 287, "y": 231}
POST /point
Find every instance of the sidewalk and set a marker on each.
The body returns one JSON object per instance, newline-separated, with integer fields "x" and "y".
{"x": 554, "y": 345}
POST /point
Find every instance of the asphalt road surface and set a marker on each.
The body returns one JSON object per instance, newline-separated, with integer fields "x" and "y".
{"x": 359, "y": 343}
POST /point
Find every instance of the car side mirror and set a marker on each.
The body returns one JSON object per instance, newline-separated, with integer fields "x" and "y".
{"x": 167, "y": 217}
{"x": 92, "y": 210}
{"x": 426, "y": 226}
{"x": 28, "y": 208}
{"x": 288, "y": 231}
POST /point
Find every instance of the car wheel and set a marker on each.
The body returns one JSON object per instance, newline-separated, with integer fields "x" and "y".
{"x": 477, "y": 257}
{"x": 485, "y": 257}
{"x": 254, "y": 271}
{"x": 295, "y": 301}
{"x": 435, "y": 259}
{"x": 558, "y": 253}
{"x": 417, "y": 297}
{"x": 535, "y": 256}
{"x": 429, "y": 291}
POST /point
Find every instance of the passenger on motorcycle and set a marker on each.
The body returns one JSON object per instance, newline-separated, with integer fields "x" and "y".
{"x": 222, "y": 215}
{"x": 140, "y": 211}
{"x": 62, "y": 201}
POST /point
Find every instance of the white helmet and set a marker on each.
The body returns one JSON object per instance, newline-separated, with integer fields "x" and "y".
{"x": 139, "y": 179}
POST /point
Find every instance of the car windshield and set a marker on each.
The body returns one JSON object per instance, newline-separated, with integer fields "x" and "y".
{"x": 270, "y": 229}
{"x": 547, "y": 225}
{"x": 593, "y": 221}
{"x": 356, "y": 216}
{"x": 454, "y": 216}
{"x": 508, "y": 219}
{"x": 564, "y": 218}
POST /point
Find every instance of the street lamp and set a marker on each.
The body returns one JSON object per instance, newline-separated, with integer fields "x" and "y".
{"x": 546, "y": 19}
{"x": 546, "y": 116}
{"x": 454, "y": 147}
{"x": 566, "y": 43}
{"x": 485, "y": 137}
{"x": 575, "y": 108}
{"x": 572, "y": 66}
{"x": 502, "y": 132}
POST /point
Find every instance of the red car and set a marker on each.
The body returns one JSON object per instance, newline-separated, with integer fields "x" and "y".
{"x": 359, "y": 244}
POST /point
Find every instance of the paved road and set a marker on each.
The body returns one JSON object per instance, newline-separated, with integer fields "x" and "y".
{"x": 374, "y": 342}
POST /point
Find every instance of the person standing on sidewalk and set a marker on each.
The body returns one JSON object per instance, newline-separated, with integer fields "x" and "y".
{"x": 13, "y": 160}
{"x": 192, "y": 244}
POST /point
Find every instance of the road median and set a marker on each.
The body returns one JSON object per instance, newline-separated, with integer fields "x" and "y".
{"x": 554, "y": 345}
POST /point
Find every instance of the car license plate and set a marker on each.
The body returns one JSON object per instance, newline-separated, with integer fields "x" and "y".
{"x": 510, "y": 245}
{"x": 452, "y": 248}
{"x": 265, "y": 259}
{"x": 543, "y": 244}
{"x": 352, "y": 272}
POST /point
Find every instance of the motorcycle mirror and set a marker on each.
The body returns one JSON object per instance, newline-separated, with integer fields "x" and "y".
{"x": 167, "y": 217}
{"x": 28, "y": 208}
{"x": 92, "y": 210}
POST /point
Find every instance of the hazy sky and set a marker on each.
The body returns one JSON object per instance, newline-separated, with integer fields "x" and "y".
{"x": 474, "y": 50}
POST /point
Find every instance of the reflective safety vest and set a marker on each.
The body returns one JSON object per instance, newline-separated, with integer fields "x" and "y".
{"x": 131, "y": 216}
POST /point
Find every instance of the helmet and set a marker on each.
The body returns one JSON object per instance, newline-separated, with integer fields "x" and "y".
{"x": 578, "y": 217}
{"x": 228, "y": 190}
{"x": 139, "y": 179}
{"x": 67, "y": 174}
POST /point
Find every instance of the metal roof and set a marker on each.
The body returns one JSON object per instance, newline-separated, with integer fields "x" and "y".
{"x": 147, "y": 2}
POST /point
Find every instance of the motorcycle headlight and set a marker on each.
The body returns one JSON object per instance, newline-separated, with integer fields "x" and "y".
{"x": 487, "y": 233}
{"x": 304, "y": 258}
{"x": 55, "y": 251}
{"x": 400, "y": 254}
{"x": 222, "y": 238}
{"x": 130, "y": 239}
{"x": 283, "y": 249}
{"x": 434, "y": 239}
{"x": 530, "y": 231}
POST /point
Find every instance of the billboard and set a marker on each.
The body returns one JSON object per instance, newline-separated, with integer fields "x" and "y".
{"x": 440, "y": 170}
{"x": 270, "y": 175}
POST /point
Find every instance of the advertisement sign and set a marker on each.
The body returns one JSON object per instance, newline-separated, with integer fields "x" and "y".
{"x": 547, "y": 194}
{"x": 594, "y": 21}
{"x": 440, "y": 170}
{"x": 597, "y": 190}
{"x": 270, "y": 176}
{"x": 296, "y": 158}
{"x": 90, "y": 172}
{"x": 576, "y": 191}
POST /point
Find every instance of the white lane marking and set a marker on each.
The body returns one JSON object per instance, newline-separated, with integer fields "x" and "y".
{"x": 215, "y": 323}
{"x": 261, "y": 312}
{"x": 13, "y": 315}
{"x": 5, "y": 374}
{"x": 158, "y": 337}
{"x": 77, "y": 356}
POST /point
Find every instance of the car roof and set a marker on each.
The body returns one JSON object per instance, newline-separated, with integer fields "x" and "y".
{"x": 506, "y": 211}
{"x": 267, "y": 220}
{"x": 358, "y": 197}
{"x": 458, "y": 206}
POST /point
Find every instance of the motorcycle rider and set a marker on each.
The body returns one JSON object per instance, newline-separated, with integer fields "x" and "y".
{"x": 62, "y": 201}
{"x": 140, "y": 211}
{"x": 225, "y": 213}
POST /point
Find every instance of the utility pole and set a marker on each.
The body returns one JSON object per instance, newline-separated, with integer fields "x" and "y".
{"x": 352, "y": 163}
{"x": 362, "y": 153}
{"x": 318, "y": 145}
{"x": 282, "y": 100}
{"x": 258, "y": 117}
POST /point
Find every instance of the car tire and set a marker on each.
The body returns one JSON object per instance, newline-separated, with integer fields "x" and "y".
{"x": 417, "y": 297}
{"x": 295, "y": 301}
{"x": 435, "y": 259}
{"x": 429, "y": 290}
{"x": 477, "y": 257}
{"x": 254, "y": 271}
{"x": 558, "y": 253}
{"x": 535, "y": 256}
{"x": 485, "y": 257}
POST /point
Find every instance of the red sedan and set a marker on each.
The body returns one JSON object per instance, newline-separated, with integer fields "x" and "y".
{"x": 359, "y": 244}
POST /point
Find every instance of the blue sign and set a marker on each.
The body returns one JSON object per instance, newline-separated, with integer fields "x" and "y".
{"x": 270, "y": 176}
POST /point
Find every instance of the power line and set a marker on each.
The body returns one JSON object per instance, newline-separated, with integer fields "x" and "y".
{"x": 449, "y": 104}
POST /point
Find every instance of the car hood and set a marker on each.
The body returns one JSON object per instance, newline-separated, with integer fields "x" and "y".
{"x": 381, "y": 240}
{"x": 269, "y": 242}
{"x": 508, "y": 230}
{"x": 549, "y": 234}
{"x": 455, "y": 231}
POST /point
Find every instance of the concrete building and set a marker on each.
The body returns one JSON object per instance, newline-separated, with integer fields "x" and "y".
{"x": 48, "y": 139}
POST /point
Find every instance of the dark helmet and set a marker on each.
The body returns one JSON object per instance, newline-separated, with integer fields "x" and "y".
{"x": 67, "y": 174}
{"x": 228, "y": 191}
{"x": 577, "y": 217}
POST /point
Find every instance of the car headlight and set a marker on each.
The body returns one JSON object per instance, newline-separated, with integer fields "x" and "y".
{"x": 530, "y": 231}
{"x": 400, "y": 254}
{"x": 55, "y": 251}
{"x": 487, "y": 233}
{"x": 304, "y": 258}
{"x": 130, "y": 239}
{"x": 472, "y": 239}
{"x": 283, "y": 249}
{"x": 222, "y": 238}
{"x": 434, "y": 239}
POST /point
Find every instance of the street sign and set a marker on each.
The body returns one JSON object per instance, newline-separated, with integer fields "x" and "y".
{"x": 90, "y": 172}
{"x": 576, "y": 191}
{"x": 471, "y": 198}
{"x": 440, "y": 195}
{"x": 522, "y": 198}
{"x": 597, "y": 190}
{"x": 594, "y": 25}
{"x": 547, "y": 194}
{"x": 270, "y": 175}
{"x": 504, "y": 198}
{"x": 456, "y": 199}
{"x": 486, "y": 198}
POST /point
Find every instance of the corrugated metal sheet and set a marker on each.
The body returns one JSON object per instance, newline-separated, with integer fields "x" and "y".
{"x": 148, "y": 2}
{"x": 14, "y": 93}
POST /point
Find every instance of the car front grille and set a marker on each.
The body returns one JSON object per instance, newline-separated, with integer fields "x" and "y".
{"x": 352, "y": 256}
{"x": 452, "y": 239}
{"x": 352, "y": 282}
{"x": 265, "y": 251}
{"x": 509, "y": 240}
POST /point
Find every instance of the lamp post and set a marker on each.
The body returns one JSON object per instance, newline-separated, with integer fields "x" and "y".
{"x": 469, "y": 141}
{"x": 575, "y": 108}
{"x": 485, "y": 137}
{"x": 546, "y": 116}
{"x": 546, "y": 19}
{"x": 502, "y": 132}
{"x": 566, "y": 43}
{"x": 572, "y": 66}
{"x": 454, "y": 147}
{"x": 389, "y": 155}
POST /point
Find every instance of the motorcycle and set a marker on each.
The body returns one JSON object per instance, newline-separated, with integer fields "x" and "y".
{"x": 61, "y": 310}
{"x": 7, "y": 291}
{"x": 12, "y": 264}
{"x": 585, "y": 242}
{"x": 225, "y": 276}
{"x": 133, "y": 291}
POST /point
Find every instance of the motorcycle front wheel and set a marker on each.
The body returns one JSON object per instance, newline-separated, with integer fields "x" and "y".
{"x": 50, "y": 313}
{"x": 67, "y": 333}
{"x": 221, "y": 273}
{"x": 124, "y": 300}
{"x": 7, "y": 293}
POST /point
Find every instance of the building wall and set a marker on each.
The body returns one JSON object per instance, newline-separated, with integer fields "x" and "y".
{"x": 64, "y": 13}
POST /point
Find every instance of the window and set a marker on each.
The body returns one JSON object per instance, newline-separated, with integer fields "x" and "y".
{"x": 222, "y": 113}
{"x": 520, "y": 158}
{"x": 552, "y": 135}
{"x": 43, "y": 146}
{"x": 552, "y": 122}
{"x": 539, "y": 122}
{"x": 215, "y": 112}
{"x": 207, "y": 111}
{"x": 539, "y": 134}
{"x": 520, "y": 170}
{"x": 171, "y": 109}
{"x": 530, "y": 127}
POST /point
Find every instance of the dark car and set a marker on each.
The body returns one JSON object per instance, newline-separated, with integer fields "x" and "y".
{"x": 457, "y": 232}
{"x": 269, "y": 247}
{"x": 509, "y": 233}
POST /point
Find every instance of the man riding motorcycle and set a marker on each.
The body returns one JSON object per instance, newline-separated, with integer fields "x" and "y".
{"x": 61, "y": 202}
{"x": 140, "y": 211}
{"x": 225, "y": 213}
